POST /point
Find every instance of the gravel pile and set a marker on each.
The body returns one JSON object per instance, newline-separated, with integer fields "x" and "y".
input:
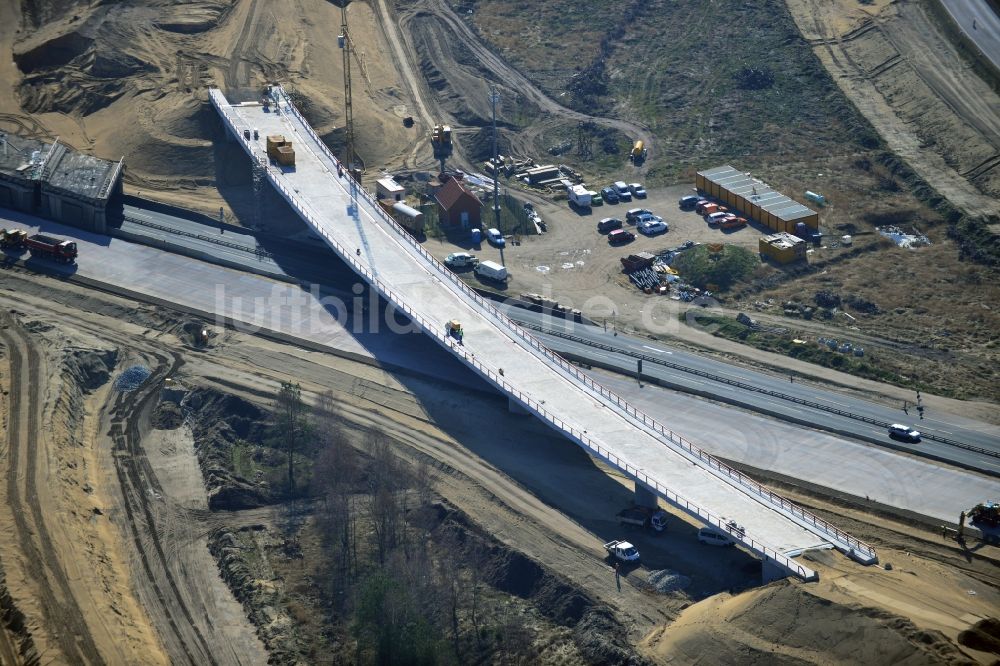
{"x": 666, "y": 581}
{"x": 132, "y": 378}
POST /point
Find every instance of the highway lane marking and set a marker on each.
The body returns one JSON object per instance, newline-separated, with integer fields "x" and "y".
{"x": 658, "y": 351}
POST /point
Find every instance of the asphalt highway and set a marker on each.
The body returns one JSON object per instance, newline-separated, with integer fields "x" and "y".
{"x": 770, "y": 394}
{"x": 980, "y": 23}
{"x": 948, "y": 438}
{"x": 819, "y": 457}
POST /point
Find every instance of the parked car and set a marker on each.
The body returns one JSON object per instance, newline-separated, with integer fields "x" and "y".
{"x": 689, "y": 202}
{"x": 609, "y": 194}
{"x": 714, "y": 218}
{"x": 637, "y": 190}
{"x": 460, "y": 260}
{"x": 653, "y": 226}
{"x": 495, "y": 238}
{"x": 713, "y": 537}
{"x": 619, "y": 236}
{"x": 633, "y": 214}
{"x": 609, "y": 224}
{"x": 710, "y": 208}
{"x": 624, "y": 194}
{"x": 596, "y": 199}
{"x": 733, "y": 222}
{"x": 699, "y": 206}
{"x": 903, "y": 432}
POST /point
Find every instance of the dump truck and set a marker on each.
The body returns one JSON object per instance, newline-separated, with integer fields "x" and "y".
{"x": 622, "y": 551}
{"x": 48, "y": 247}
{"x": 644, "y": 517}
{"x": 636, "y": 262}
{"x": 13, "y": 239}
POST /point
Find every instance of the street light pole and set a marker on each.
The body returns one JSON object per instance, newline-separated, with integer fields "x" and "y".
{"x": 494, "y": 98}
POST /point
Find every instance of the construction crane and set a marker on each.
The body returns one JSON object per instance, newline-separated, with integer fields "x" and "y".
{"x": 344, "y": 41}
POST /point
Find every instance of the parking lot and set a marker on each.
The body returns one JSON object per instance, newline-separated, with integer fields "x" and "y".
{"x": 574, "y": 263}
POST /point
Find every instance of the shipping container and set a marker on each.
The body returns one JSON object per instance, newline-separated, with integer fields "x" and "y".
{"x": 754, "y": 199}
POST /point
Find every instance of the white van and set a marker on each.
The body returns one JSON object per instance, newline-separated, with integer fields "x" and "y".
{"x": 713, "y": 538}
{"x": 491, "y": 270}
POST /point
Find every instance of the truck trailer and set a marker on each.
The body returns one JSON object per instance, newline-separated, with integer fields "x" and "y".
{"x": 57, "y": 249}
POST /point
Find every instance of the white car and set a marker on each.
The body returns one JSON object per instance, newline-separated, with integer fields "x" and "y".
{"x": 715, "y": 218}
{"x": 624, "y": 194}
{"x": 653, "y": 226}
{"x": 713, "y": 538}
{"x": 495, "y": 238}
{"x": 460, "y": 260}
{"x": 637, "y": 190}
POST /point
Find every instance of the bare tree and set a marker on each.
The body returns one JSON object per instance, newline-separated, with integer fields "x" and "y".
{"x": 292, "y": 424}
{"x": 387, "y": 487}
{"x": 335, "y": 477}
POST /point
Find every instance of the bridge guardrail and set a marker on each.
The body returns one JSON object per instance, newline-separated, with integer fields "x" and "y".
{"x": 559, "y": 361}
{"x": 215, "y": 240}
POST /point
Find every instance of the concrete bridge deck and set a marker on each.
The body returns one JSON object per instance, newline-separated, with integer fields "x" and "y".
{"x": 505, "y": 355}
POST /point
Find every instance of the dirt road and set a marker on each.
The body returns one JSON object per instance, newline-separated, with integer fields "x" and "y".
{"x": 161, "y": 546}
{"x": 434, "y": 25}
{"x": 63, "y": 616}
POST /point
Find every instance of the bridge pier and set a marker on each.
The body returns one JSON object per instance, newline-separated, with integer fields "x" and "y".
{"x": 514, "y": 407}
{"x": 770, "y": 572}
{"x": 645, "y": 497}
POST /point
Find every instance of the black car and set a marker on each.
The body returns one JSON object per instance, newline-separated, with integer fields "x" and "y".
{"x": 633, "y": 214}
{"x": 688, "y": 202}
{"x": 610, "y": 195}
{"x": 619, "y": 236}
{"x": 609, "y": 224}
{"x": 904, "y": 432}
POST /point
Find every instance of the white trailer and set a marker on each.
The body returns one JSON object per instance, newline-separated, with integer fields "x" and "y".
{"x": 579, "y": 196}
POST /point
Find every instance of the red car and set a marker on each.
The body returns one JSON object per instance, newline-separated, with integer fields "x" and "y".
{"x": 619, "y": 236}
{"x": 733, "y": 222}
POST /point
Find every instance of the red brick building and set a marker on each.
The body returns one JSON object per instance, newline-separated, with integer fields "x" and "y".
{"x": 457, "y": 206}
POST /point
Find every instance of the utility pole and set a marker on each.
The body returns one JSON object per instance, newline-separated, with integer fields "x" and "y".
{"x": 494, "y": 98}
{"x": 345, "y": 44}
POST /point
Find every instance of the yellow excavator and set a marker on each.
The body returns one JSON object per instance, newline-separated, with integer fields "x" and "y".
{"x": 12, "y": 238}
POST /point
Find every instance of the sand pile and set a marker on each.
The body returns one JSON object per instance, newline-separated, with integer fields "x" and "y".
{"x": 786, "y": 624}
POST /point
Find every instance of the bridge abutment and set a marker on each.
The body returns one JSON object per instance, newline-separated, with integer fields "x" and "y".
{"x": 645, "y": 497}
{"x": 514, "y": 407}
{"x": 770, "y": 572}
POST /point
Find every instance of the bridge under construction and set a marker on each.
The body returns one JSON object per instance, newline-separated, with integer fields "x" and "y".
{"x": 537, "y": 381}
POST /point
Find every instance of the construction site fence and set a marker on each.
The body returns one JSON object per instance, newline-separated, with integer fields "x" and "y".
{"x": 435, "y": 330}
